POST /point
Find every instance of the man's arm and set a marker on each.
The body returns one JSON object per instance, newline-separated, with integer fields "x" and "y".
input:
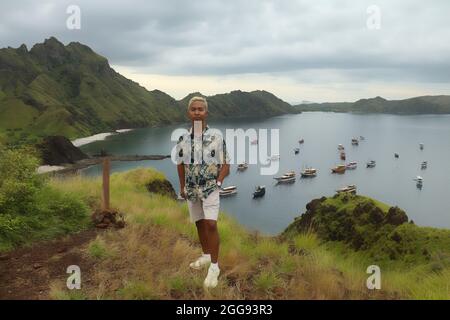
{"x": 181, "y": 177}
{"x": 224, "y": 171}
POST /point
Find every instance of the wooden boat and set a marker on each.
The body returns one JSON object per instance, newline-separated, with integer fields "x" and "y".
{"x": 348, "y": 189}
{"x": 260, "y": 191}
{"x": 351, "y": 166}
{"x": 339, "y": 169}
{"x": 308, "y": 173}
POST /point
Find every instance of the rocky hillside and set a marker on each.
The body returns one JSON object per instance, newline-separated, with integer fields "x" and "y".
{"x": 69, "y": 90}
{"x": 384, "y": 233}
{"x": 417, "y": 105}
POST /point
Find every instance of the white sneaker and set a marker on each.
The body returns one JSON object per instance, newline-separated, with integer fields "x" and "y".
{"x": 200, "y": 262}
{"x": 211, "y": 278}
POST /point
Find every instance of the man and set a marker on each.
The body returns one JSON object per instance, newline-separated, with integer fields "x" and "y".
{"x": 201, "y": 171}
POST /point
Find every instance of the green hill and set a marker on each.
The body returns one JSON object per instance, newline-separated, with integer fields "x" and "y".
{"x": 417, "y": 105}
{"x": 69, "y": 90}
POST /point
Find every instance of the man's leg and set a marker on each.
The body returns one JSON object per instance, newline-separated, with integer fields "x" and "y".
{"x": 213, "y": 239}
{"x": 202, "y": 235}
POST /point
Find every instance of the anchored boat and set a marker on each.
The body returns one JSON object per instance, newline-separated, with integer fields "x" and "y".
{"x": 308, "y": 173}
{"x": 260, "y": 191}
{"x": 351, "y": 166}
{"x": 242, "y": 166}
{"x": 228, "y": 191}
{"x": 348, "y": 189}
{"x": 371, "y": 164}
{"x": 339, "y": 169}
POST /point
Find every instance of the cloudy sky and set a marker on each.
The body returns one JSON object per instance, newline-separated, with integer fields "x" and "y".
{"x": 299, "y": 50}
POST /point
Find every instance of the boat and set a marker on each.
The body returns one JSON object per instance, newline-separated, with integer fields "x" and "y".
{"x": 424, "y": 165}
{"x": 351, "y": 165}
{"x": 301, "y": 141}
{"x": 421, "y": 146}
{"x": 340, "y": 147}
{"x": 348, "y": 189}
{"x": 227, "y": 191}
{"x": 339, "y": 169}
{"x": 419, "y": 182}
{"x": 242, "y": 166}
{"x": 342, "y": 155}
{"x": 254, "y": 141}
{"x": 260, "y": 191}
{"x": 296, "y": 150}
{"x": 288, "y": 174}
{"x": 309, "y": 172}
{"x": 355, "y": 141}
{"x": 286, "y": 179}
{"x": 396, "y": 155}
{"x": 371, "y": 164}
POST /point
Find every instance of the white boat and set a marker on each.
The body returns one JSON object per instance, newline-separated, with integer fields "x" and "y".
{"x": 371, "y": 164}
{"x": 351, "y": 166}
{"x": 424, "y": 165}
{"x": 309, "y": 172}
{"x": 288, "y": 174}
{"x": 340, "y": 147}
{"x": 350, "y": 189}
{"x": 286, "y": 179}
{"x": 242, "y": 166}
{"x": 418, "y": 179}
{"x": 355, "y": 141}
{"x": 227, "y": 191}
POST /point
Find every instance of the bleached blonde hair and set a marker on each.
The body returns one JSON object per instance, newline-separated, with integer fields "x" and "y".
{"x": 198, "y": 98}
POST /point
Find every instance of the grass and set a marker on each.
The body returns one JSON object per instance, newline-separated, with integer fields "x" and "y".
{"x": 149, "y": 258}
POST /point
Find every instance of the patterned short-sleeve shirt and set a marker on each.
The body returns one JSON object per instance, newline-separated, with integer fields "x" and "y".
{"x": 202, "y": 158}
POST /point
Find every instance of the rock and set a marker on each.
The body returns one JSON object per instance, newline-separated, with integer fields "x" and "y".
{"x": 396, "y": 216}
{"x": 162, "y": 187}
{"x": 108, "y": 218}
{"x": 57, "y": 150}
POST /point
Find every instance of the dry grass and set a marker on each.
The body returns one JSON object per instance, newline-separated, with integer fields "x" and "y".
{"x": 149, "y": 259}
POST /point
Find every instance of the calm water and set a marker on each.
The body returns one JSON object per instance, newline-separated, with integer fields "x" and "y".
{"x": 391, "y": 181}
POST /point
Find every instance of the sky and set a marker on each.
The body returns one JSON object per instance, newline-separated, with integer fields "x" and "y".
{"x": 300, "y": 50}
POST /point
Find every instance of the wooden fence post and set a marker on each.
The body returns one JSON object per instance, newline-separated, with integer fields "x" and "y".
{"x": 106, "y": 169}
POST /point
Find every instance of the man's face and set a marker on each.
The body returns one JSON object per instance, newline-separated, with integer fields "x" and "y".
{"x": 197, "y": 111}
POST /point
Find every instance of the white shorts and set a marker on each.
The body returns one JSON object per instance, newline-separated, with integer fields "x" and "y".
{"x": 205, "y": 208}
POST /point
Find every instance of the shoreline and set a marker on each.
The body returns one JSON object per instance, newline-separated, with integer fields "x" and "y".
{"x": 97, "y": 137}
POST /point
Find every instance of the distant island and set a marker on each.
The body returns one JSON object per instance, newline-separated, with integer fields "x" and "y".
{"x": 417, "y": 105}
{"x": 69, "y": 90}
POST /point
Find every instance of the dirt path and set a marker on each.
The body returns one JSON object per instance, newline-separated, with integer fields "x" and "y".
{"x": 27, "y": 273}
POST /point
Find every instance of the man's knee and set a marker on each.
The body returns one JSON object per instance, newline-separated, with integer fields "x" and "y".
{"x": 211, "y": 225}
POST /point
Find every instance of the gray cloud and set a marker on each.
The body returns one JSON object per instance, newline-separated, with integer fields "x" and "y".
{"x": 305, "y": 40}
